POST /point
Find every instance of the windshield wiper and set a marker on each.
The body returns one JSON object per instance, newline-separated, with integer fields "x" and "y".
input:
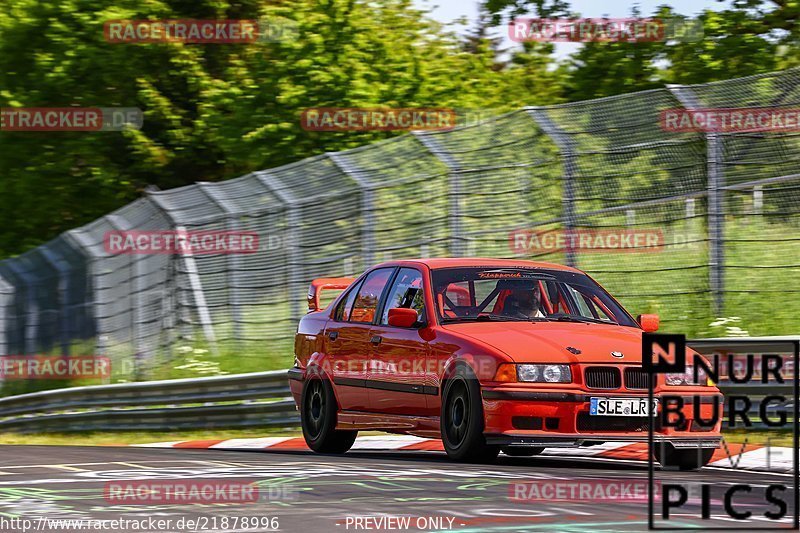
{"x": 486, "y": 318}
{"x": 501, "y": 318}
{"x": 491, "y": 317}
{"x": 580, "y": 318}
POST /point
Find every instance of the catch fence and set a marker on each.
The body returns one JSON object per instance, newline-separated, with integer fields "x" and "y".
{"x": 726, "y": 205}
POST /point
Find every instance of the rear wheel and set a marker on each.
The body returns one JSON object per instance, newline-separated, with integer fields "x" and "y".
{"x": 318, "y": 419}
{"x": 462, "y": 420}
{"x": 522, "y": 451}
{"x": 683, "y": 459}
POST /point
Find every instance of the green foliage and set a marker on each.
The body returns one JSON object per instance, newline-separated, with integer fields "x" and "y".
{"x": 213, "y": 112}
{"x": 748, "y": 37}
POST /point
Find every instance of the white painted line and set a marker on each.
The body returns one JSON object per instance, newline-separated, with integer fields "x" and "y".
{"x": 589, "y": 451}
{"x": 249, "y": 444}
{"x": 159, "y": 444}
{"x": 779, "y": 459}
{"x": 386, "y": 443}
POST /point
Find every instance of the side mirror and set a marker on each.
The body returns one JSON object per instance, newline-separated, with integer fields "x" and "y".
{"x": 402, "y": 318}
{"x": 649, "y": 323}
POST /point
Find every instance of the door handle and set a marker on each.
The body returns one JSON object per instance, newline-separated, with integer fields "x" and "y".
{"x": 333, "y": 335}
{"x": 376, "y": 339}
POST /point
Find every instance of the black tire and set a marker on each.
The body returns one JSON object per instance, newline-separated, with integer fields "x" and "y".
{"x": 522, "y": 451}
{"x": 685, "y": 459}
{"x": 462, "y": 422}
{"x": 318, "y": 419}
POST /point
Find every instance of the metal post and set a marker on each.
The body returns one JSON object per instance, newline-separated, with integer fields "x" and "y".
{"x": 457, "y": 237}
{"x": 758, "y": 199}
{"x": 199, "y": 295}
{"x": 234, "y": 261}
{"x": 716, "y": 202}
{"x": 568, "y": 149}
{"x": 82, "y": 243}
{"x": 367, "y": 206}
{"x": 137, "y": 303}
{"x": 152, "y": 195}
{"x": 630, "y": 217}
{"x": 63, "y": 296}
{"x": 716, "y": 220}
{"x": 6, "y": 296}
{"x": 348, "y": 267}
{"x": 292, "y": 241}
{"x": 31, "y": 314}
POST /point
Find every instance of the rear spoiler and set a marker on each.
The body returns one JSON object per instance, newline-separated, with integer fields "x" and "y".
{"x": 321, "y": 284}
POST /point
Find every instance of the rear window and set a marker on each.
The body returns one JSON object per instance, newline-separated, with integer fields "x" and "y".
{"x": 369, "y": 294}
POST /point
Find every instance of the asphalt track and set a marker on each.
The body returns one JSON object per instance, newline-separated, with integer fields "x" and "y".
{"x": 41, "y": 483}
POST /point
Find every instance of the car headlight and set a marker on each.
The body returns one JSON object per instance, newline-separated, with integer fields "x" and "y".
{"x": 687, "y": 378}
{"x": 544, "y": 373}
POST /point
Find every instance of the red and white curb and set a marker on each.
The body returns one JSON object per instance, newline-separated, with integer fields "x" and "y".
{"x": 732, "y": 456}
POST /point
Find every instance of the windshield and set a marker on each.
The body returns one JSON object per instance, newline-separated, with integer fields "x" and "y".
{"x": 523, "y": 294}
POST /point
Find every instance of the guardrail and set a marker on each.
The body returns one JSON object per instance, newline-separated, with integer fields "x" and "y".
{"x": 243, "y": 400}
{"x": 258, "y": 399}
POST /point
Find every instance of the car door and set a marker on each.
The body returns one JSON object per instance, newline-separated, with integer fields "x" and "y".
{"x": 397, "y": 362}
{"x": 347, "y": 337}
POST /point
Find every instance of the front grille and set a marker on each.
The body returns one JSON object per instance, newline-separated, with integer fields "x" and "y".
{"x": 636, "y": 378}
{"x": 598, "y": 377}
{"x": 587, "y": 422}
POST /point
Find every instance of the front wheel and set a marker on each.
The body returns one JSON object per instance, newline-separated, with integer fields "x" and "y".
{"x": 318, "y": 419}
{"x": 683, "y": 459}
{"x": 462, "y": 420}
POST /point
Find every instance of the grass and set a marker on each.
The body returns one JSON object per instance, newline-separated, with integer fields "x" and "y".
{"x": 673, "y": 282}
{"x": 124, "y": 438}
{"x": 754, "y": 437}
{"x": 760, "y": 294}
{"x": 187, "y": 360}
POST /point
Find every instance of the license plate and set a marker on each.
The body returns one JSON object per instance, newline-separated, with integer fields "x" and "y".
{"x": 620, "y": 406}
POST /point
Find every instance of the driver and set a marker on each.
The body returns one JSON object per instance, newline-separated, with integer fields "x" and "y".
{"x": 524, "y": 303}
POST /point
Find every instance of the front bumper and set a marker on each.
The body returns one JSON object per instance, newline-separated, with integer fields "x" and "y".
{"x": 560, "y": 418}
{"x": 575, "y": 441}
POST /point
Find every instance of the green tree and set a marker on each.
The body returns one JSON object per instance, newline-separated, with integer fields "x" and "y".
{"x": 213, "y": 112}
{"x": 748, "y": 37}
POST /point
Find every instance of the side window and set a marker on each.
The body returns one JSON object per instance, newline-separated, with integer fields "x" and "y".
{"x": 587, "y": 307}
{"x": 346, "y": 305}
{"x": 369, "y": 294}
{"x": 583, "y": 307}
{"x": 406, "y": 292}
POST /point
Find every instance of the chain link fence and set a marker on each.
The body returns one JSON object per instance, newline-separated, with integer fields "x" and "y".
{"x": 727, "y": 205}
